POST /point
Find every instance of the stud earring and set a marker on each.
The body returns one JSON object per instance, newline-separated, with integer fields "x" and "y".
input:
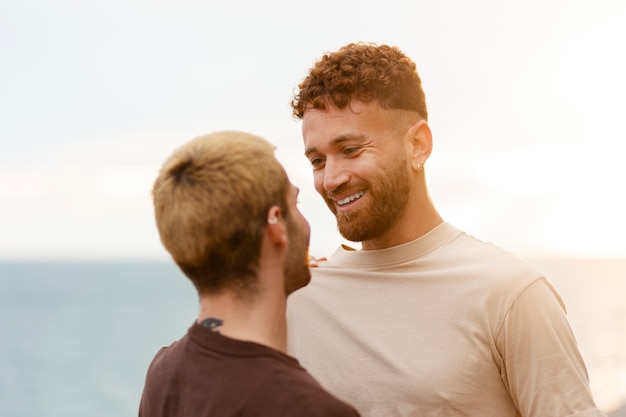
{"x": 272, "y": 220}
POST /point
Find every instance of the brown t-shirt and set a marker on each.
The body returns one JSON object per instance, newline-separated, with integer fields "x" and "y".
{"x": 207, "y": 374}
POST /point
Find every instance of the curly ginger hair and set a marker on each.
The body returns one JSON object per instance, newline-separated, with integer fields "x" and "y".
{"x": 364, "y": 72}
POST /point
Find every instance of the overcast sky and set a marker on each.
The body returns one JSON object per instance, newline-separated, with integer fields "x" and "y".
{"x": 526, "y": 101}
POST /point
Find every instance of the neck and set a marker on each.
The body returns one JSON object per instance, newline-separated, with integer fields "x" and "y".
{"x": 260, "y": 319}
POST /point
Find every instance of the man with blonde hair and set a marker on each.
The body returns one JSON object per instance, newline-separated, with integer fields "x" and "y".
{"x": 228, "y": 215}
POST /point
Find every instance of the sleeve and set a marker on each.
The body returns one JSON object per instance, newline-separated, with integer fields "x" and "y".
{"x": 543, "y": 368}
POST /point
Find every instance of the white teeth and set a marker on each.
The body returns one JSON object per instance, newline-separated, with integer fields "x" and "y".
{"x": 350, "y": 198}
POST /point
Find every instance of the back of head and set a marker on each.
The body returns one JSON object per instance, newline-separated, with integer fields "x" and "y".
{"x": 211, "y": 199}
{"x": 363, "y": 72}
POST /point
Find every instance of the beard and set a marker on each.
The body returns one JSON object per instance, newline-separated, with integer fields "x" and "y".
{"x": 389, "y": 195}
{"x": 297, "y": 272}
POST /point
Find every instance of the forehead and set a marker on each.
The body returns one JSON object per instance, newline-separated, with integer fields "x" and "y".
{"x": 356, "y": 111}
{"x": 352, "y": 120}
{"x": 292, "y": 192}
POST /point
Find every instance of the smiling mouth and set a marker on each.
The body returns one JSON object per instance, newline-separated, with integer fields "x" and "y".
{"x": 350, "y": 198}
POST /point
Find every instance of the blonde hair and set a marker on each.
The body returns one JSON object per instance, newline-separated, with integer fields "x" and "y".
{"x": 211, "y": 200}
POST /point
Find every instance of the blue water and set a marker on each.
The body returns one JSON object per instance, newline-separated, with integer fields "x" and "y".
{"x": 76, "y": 339}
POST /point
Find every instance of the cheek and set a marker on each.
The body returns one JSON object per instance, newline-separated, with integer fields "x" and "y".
{"x": 304, "y": 224}
{"x": 318, "y": 181}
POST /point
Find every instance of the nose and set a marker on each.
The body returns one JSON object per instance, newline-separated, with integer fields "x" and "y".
{"x": 334, "y": 175}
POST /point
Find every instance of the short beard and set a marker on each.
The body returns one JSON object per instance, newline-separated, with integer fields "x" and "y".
{"x": 297, "y": 271}
{"x": 389, "y": 197}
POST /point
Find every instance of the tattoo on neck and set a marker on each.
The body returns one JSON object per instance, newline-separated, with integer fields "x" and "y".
{"x": 212, "y": 324}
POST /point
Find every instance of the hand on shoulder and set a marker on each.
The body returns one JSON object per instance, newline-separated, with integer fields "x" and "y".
{"x": 314, "y": 262}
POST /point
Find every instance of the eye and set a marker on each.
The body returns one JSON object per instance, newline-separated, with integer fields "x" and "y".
{"x": 351, "y": 150}
{"x": 317, "y": 162}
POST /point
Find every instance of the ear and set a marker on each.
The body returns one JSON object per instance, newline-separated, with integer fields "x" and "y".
{"x": 420, "y": 144}
{"x": 276, "y": 228}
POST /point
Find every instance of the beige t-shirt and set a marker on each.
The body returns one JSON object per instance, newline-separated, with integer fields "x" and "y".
{"x": 445, "y": 325}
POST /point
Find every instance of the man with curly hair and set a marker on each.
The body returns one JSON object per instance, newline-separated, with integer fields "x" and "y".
{"x": 424, "y": 320}
{"x": 228, "y": 215}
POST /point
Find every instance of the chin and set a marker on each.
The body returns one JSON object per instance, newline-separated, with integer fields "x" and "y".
{"x": 304, "y": 278}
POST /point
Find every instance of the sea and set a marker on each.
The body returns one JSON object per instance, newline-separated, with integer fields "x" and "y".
{"x": 76, "y": 339}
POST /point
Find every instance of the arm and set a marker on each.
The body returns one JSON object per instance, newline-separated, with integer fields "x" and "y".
{"x": 543, "y": 368}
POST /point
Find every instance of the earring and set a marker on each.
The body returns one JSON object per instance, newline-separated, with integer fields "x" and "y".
{"x": 272, "y": 220}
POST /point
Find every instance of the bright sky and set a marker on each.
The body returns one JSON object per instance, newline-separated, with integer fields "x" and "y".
{"x": 526, "y": 101}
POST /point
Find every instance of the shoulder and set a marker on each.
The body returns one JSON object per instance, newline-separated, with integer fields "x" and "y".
{"x": 489, "y": 260}
{"x": 168, "y": 358}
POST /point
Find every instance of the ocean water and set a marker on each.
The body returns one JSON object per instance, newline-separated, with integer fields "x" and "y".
{"x": 76, "y": 339}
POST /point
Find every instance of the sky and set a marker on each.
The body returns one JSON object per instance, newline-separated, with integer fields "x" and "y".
{"x": 526, "y": 104}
